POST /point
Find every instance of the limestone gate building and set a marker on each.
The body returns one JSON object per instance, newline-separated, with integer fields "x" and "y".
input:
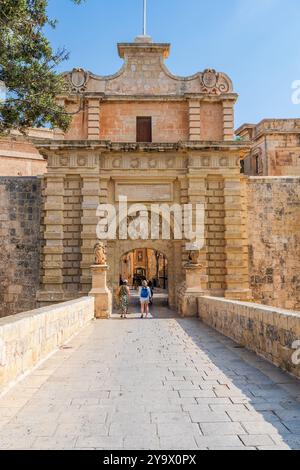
{"x": 155, "y": 138}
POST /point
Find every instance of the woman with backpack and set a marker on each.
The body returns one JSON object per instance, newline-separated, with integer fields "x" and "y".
{"x": 145, "y": 297}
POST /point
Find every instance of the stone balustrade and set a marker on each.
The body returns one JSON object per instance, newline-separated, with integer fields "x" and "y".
{"x": 28, "y": 338}
{"x": 270, "y": 332}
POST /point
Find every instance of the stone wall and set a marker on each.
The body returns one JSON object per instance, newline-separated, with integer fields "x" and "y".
{"x": 212, "y": 125}
{"x": 20, "y": 216}
{"x": 19, "y": 157}
{"x": 79, "y": 125}
{"x": 170, "y": 121}
{"x": 30, "y": 337}
{"x": 270, "y": 332}
{"x": 10, "y": 166}
{"x": 274, "y": 241}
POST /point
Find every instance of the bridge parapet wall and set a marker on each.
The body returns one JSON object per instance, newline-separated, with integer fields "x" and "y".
{"x": 30, "y": 337}
{"x": 271, "y": 332}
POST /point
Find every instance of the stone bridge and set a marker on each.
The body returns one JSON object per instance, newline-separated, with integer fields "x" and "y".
{"x": 71, "y": 382}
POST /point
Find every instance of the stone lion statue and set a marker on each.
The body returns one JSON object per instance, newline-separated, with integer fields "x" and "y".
{"x": 194, "y": 257}
{"x": 100, "y": 253}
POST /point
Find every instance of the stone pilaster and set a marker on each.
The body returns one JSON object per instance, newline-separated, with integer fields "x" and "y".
{"x": 215, "y": 235}
{"x": 184, "y": 199}
{"x": 72, "y": 233}
{"x": 196, "y": 279}
{"x": 194, "y": 120}
{"x": 93, "y": 119}
{"x": 228, "y": 119}
{"x": 193, "y": 290}
{"x": 54, "y": 234}
{"x": 90, "y": 201}
{"x": 197, "y": 194}
{"x": 236, "y": 248}
{"x": 103, "y": 191}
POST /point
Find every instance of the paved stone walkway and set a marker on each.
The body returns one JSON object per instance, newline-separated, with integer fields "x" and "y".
{"x": 165, "y": 383}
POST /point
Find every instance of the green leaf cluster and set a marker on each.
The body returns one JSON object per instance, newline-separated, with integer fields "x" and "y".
{"x": 28, "y": 67}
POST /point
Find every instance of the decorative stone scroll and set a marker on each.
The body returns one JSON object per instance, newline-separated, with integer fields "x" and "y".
{"x": 215, "y": 83}
{"x": 78, "y": 79}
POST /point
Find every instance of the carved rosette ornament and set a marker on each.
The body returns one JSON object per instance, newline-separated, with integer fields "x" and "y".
{"x": 135, "y": 163}
{"x": 64, "y": 161}
{"x": 82, "y": 161}
{"x": 170, "y": 163}
{"x": 210, "y": 78}
{"x": 224, "y": 161}
{"x": 153, "y": 163}
{"x": 100, "y": 254}
{"x": 78, "y": 80}
{"x": 117, "y": 163}
{"x": 206, "y": 161}
{"x": 214, "y": 83}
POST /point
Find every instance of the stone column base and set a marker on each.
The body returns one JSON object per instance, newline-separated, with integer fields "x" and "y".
{"x": 189, "y": 303}
{"x": 100, "y": 292}
{"x": 195, "y": 279}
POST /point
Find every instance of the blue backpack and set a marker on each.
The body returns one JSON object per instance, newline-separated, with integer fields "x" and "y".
{"x": 144, "y": 293}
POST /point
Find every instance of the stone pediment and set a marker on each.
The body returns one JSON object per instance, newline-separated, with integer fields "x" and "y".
{"x": 144, "y": 73}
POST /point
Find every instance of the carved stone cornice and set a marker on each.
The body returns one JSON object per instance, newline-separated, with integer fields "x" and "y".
{"x": 49, "y": 145}
{"x": 159, "y": 97}
{"x": 146, "y": 47}
{"x": 271, "y": 126}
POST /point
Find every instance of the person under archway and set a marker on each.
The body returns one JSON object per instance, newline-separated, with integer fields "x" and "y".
{"x": 145, "y": 297}
{"x": 150, "y": 285}
{"x": 124, "y": 296}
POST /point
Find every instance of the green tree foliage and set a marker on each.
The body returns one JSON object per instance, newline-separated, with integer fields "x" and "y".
{"x": 28, "y": 68}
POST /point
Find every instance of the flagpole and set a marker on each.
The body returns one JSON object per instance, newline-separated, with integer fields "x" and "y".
{"x": 145, "y": 18}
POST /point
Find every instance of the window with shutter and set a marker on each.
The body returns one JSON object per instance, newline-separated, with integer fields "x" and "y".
{"x": 144, "y": 129}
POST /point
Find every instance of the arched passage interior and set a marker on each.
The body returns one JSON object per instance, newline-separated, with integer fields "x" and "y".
{"x": 145, "y": 264}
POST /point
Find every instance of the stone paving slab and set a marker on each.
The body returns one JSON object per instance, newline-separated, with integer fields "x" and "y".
{"x": 163, "y": 383}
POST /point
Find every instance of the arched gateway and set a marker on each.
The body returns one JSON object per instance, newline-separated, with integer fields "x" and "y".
{"x": 155, "y": 138}
{"x": 154, "y": 261}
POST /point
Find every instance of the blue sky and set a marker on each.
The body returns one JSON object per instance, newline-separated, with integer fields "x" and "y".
{"x": 256, "y": 42}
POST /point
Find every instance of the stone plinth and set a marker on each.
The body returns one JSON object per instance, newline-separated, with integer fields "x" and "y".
{"x": 100, "y": 291}
{"x": 195, "y": 279}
